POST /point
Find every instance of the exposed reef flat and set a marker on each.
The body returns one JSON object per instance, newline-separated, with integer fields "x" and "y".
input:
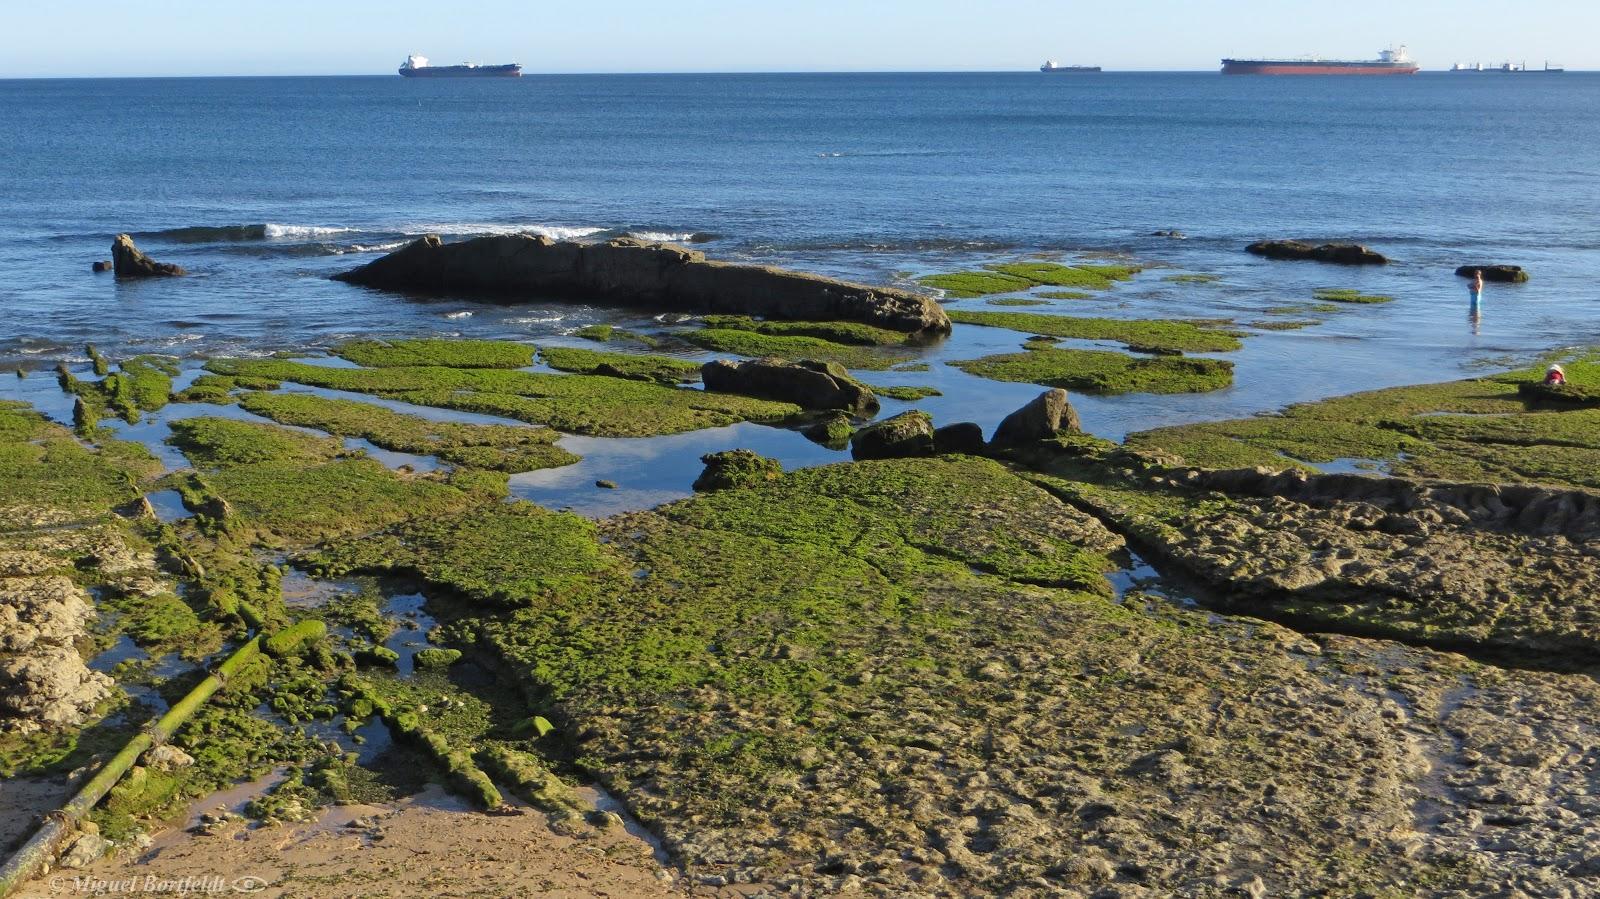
{"x": 938, "y": 676}
{"x": 636, "y": 273}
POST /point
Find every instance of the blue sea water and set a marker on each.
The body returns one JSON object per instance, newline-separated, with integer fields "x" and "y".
{"x": 262, "y": 187}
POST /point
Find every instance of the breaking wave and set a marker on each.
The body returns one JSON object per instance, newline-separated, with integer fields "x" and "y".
{"x": 263, "y": 231}
{"x": 673, "y": 236}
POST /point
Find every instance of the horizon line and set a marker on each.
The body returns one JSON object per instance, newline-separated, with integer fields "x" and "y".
{"x": 683, "y": 72}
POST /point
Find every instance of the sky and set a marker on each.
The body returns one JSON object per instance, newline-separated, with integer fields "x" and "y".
{"x": 337, "y": 37}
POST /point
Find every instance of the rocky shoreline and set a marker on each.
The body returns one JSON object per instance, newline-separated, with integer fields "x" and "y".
{"x": 1037, "y": 664}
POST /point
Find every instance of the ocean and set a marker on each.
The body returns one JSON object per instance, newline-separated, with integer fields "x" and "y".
{"x": 262, "y": 187}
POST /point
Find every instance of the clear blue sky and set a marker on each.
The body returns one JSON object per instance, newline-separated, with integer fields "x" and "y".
{"x": 217, "y": 37}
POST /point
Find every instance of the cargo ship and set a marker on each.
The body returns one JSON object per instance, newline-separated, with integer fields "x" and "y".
{"x": 1050, "y": 66}
{"x": 1508, "y": 68}
{"x": 1393, "y": 61}
{"x": 417, "y": 67}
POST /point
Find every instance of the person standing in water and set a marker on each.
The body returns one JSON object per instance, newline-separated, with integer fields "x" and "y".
{"x": 1477, "y": 291}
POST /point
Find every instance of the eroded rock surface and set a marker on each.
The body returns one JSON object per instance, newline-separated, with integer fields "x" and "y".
{"x": 43, "y": 680}
{"x": 637, "y": 273}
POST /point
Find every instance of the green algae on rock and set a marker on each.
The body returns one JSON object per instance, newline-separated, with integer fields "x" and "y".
{"x": 635, "y": 366}
{"x": 1102, "y": 371}
{"x": 290, "y": 486}
{"x": 1010, "y": 277}
{"x": 507, "y": 554}
{"x": 908, "y": 393}
{"x": 499, "y": 447}
{"x": 736, "y": 468}
{"x": 1157, "y": 334}
{"x": 453, "y": 353}
{"x": 1191, "y": 278}
{"x": 1015, "y": 301}
{"x": 607, "y": 333}
{"x": 581, "y": 404}
{"x": 50, "y": 478}
{"x": 1348, "y": 295}
{"x": 1473, "y": 430}
{"x": 757, "y": 345}
{"x": 836, "y": 331}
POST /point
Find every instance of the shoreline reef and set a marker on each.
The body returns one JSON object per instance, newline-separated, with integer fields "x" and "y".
{"x": 628, "y": 271}
{"x": 1192, "y": 663}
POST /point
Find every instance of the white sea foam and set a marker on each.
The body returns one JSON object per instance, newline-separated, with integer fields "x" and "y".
{"x": 555, "y": 232}
{"x": 374, "y": 248}
{"x": 663, "y": 236}
{"x": 275, "y": 231}
{"x": 534, "y": 320}
{"x": 462, "y": 314}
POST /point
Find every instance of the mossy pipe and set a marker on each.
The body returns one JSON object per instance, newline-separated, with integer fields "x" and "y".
{"x": 58, "y": 825}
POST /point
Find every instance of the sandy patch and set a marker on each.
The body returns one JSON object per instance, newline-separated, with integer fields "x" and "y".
{"x": 430, "y": 845}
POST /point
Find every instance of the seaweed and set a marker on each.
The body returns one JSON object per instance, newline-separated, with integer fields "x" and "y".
{"x": 1160, "y": 334}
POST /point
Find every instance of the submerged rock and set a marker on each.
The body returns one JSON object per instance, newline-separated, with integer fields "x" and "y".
{"x": 808, "y": 384}
{"x": 129, "y": 262}
{"x": 736, "y": 468}
{"x": 832, "y": 430}
{"x": 1045, "y": 416}
{"x": 904, "y": 435}
{"x": 637, "y": 273}
{"x": 1339, "y": 253}
{"x": 101, "y": 265}
{"x": 1506, "y": 274}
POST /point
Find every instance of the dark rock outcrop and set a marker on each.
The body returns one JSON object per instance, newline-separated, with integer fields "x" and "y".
{"x": 129, "y": 262}
{"x": 103, "y": 265}
{"x": 1538, "y": 392}
{"x": 1174, "y": 235}
{"x": 632, "y": 272}
{"x": 807, "y": 384}
{"x": 736, "y": 468}
{"x": 1339, "y": 253}
{"x": 1045, "y": 416}
{"x": 1505, "y": 274}
{"x": 963, "y": 437}
{"x": 906, "y": 434}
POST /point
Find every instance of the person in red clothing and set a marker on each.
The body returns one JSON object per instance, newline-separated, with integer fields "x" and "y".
{"x": 1554, "y": 376}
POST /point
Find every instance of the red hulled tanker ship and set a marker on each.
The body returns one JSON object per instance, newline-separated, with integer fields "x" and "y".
{"x": 1393, "y": 61}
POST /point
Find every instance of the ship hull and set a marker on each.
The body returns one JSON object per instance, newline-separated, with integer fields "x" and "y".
{"x": 508, "y": 71}
{"x": 1319, "y": 67}
{"x": 1070, "y": 70}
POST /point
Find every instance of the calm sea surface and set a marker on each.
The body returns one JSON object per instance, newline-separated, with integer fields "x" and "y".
{"x": 264, "y": 187}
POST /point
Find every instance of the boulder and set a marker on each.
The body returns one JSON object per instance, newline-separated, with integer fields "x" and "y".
{"x": 1340, "y": 253}
{"x": 807, "y": 384}
{"x": 631, "y": 272}
{"x": 85, "y": 850}
{"x": 129, "y": 262}
{"x": 1505, "y": 274}
{"x": 1045, "y": 416}
{"x": 103, "y": 265}
{"x": 167, "y": 757}
{"x": 831, "y": 430}
{"x": 1173, "y": 235}
{"x": 907, "y": 434}
{"x": 963, "y": 437}
{"x": 736, "y": 468}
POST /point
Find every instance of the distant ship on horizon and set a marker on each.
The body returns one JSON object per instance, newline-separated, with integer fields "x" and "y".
{"x": 1051, "y": 66}
{"x": 418, "y": 67}
{"x": 1393, "y": 61}
{"x": 1508, "y": 67}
